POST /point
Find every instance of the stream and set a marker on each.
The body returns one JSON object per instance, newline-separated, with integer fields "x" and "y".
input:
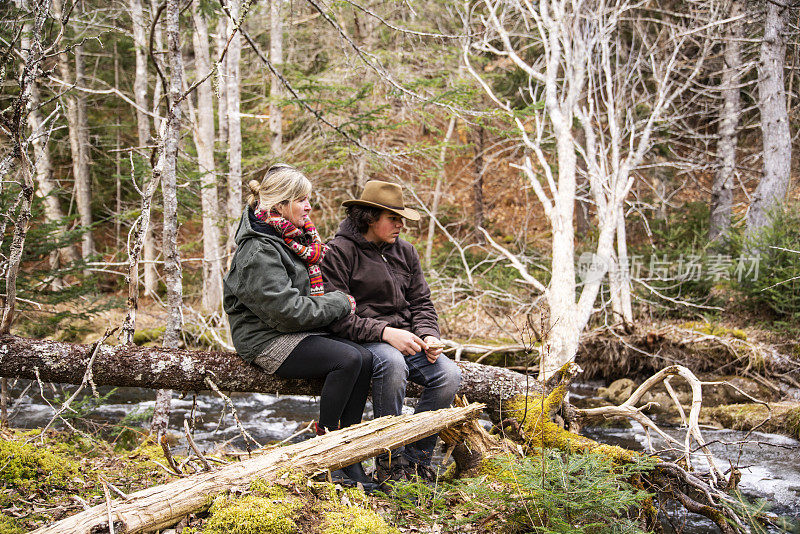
{"x": 770, "y": 463}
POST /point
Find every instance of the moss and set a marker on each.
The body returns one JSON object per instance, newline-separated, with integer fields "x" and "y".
{"x": 355, "y": 520}
{"x": 251, "y": 515}
{"x": 8, "y": 525}
{"x": 146, "y": 335}
{"x": 29, "y": 466}
{"x": 534, "y": 413}
{"x": 715, "y": 330}
{"x": 262, "y": 488}
{"x": 785, "y": 417}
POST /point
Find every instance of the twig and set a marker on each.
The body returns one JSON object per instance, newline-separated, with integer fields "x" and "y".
{"x": 113, "y": 488}
{"x": 108, "y": 506}
{"x": 87, "y": 378}
{"x": 168, "y": 454}
{"x": 193, "y": 445}
{"x": 229, "y": 402}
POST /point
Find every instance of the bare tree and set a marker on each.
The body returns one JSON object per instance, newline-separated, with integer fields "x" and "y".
{"x": 437, "y": 193}
{"x": 16, "y": 159}
{"x": 204, "y": 141}
{"x": 589, "y": 72}
{"x": 777, "y": 141}
{"x": 275, "y": 93}
{"x": 220, "y": 39}
{"x": 234, "y": 124}
{"x": 722, "y": 189}
{"x": 477, "y": 185}
{"x": 78, "y": 132}
{"x": 140, "y": 85}
{"x": 167, "y": 170}
{"x": 47, "y": 188}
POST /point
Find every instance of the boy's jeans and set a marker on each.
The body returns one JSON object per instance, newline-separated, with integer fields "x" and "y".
{"x": 391, "y": 370}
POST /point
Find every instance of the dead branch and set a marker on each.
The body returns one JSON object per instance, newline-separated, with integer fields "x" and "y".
{"x": 162, "y": 506}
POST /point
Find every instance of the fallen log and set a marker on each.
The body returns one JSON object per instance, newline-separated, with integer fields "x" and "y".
{"x": 164, "y": 505}
{"x": 186, "y": 370}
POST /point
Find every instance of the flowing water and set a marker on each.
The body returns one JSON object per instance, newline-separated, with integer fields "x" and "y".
{"x": 770, "y": 463}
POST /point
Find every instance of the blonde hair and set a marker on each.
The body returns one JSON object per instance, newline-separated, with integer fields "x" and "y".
{"x": 281, "y": 183}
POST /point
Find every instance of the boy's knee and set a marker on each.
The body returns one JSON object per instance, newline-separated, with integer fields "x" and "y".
{"x": 451, "y": 377}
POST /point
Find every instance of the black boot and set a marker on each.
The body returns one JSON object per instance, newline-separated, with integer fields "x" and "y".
{"x": 354, "y": 474}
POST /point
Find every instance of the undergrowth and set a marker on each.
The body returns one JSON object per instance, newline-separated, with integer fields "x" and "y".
{"x": 551, "y": 493}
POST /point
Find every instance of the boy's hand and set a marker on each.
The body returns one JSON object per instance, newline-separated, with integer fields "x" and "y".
{"x": 435, "y": 348}
{"x": 404, "y": 341}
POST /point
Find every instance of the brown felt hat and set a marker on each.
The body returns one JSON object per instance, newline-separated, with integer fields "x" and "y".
{"x": 386, "y": 196}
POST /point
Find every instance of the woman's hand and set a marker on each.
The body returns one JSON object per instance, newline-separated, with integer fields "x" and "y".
{"x": 435, "y": 348}
{"x": 404, "y": 341}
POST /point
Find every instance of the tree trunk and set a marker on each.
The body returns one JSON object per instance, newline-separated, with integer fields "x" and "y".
{"x": 140, "y": 76}
{"x": 14, "y": 129}
{"x": 185, "y": 370}
{"x": 164, "y": 505}
{"x": 275, "y": 88}
{"x": 234, "y": 128}
{"x": 78, "y": 136}
{"x": 220, "y": 39}
{"x": 204, "y": 141}
{"x": 477, "y": 185}
{"x": 722, "y": 188}
{"x": 47, "y": 188}
{"x": 150, "y": 280}
{"x": 437, "y": 194}
{"x": 777, "y": 154}
{"x": 172, "y": 265}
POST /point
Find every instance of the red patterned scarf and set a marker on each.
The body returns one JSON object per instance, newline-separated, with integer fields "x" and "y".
{"x": 304, "y": 242}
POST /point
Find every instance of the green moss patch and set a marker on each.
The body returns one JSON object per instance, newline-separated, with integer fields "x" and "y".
{"x": 29, "y": 466}
{"x": 251, "y": 515}
{"x": 785, "y": 417}
{"x": 355, "y": 520}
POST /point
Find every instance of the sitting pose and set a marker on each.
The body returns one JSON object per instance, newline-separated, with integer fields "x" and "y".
{"x": 395, "y": 318}
{"x": 277, "y": 306}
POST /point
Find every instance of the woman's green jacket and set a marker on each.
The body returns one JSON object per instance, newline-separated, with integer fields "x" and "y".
{"x": 267, "y": 292}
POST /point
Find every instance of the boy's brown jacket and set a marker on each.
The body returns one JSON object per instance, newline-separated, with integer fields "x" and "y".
{"x": 386, "y": 282}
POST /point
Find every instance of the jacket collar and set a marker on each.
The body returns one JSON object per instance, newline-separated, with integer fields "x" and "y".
{"x": 348, "y": 230}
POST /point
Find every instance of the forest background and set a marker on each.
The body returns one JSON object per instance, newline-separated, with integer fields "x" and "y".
{"x": 580, "y": 165}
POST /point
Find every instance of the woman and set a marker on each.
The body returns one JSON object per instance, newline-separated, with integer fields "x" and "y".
{"x": 395, "y": 318}
{"x": 277, "y": 306}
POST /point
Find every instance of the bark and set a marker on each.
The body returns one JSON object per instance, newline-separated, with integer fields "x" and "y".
{"x": 234, "y": 127}
{"x": 150, "y": 280}
{"x": 477, "y": 185}
{"x": 777, "y": 148}
{"x": 47, "y": 188}
{"x": 172, "y": 265}
{"x": 619, "y": 275}
{"x": 14, "y": 128}
{"x": 78, "y": 136}
{"x": 722, "y": 188}
{"x": 275, "y": 92}
{"x": 140, "y": 76}
{"x": 164, "y": 505}
{"x": 220, "y": 39}
{"x": 204, "y": 141}
{"x": 437, "y": 194}
{"x": 184, "y": 370}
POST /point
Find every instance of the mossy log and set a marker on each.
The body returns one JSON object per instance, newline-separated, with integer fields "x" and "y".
{"x": 470, "y": 444}
{"x": 779, "y": 417}
{"x": 186, "y": 370}
{"x": 162, "y": 506}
